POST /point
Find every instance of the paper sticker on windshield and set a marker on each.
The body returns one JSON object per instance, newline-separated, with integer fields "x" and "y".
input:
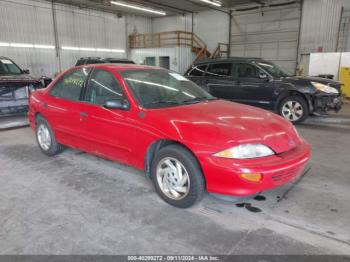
{"x": 178, "y": 77}
{"x": 6, "y": 61}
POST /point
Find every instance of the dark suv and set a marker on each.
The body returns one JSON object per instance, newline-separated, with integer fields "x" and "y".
{"x": 15, "y": 85}
{"x": 99, "y": 60}
{"x": 258, "y": 82}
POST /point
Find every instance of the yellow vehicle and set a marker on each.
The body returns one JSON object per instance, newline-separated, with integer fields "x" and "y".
{"x": 344, "y": 78}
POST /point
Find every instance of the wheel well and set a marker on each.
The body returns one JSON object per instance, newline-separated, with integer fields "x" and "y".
{"x": 293, "y": 93}
{"x": 154, "y": 148}
{"x": 36, "y": 117}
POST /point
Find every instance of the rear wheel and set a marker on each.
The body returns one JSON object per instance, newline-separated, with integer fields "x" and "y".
{"x": 177, "y": 177}
{"x": 46, "y": 138}
{"x": 294, "y": 109}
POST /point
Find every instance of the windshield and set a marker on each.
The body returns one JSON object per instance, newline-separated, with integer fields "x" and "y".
{"x": 273, "y": 69}
{"x": 7, "y": 67}
{"x": 161, "y": 88}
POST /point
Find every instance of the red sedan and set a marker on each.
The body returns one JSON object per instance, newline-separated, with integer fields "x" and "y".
{"x": 187, "y": 141}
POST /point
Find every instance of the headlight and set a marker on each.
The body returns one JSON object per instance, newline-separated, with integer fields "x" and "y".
{"x": 246, "y": 151}
{"x": 325, "y": 88}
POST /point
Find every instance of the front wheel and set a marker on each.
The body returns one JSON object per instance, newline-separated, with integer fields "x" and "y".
{"x": 294, "y": 109}
{"x": 177, "y": 177}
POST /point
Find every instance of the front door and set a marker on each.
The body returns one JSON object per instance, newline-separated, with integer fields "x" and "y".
{"x": 221, "y": 83}
{"x": 108, "y": 130}
{"x": 254, "y": 84}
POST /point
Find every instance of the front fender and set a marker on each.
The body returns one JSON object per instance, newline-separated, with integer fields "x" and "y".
{"x": 288, "y": 89}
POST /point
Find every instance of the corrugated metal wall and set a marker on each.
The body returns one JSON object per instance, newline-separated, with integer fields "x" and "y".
{"x": 343, "y": 44}
{"x": 138, "y": 24}
{"x": 31, "y": 22}
{"x": 28, "y": 22}
{"x": 172, "y": 23}
{"x": 89, "y": 29}
{"x": 272, "y": 34}
{"x": 211, "y": 26}
{"x": 320, "y": 25}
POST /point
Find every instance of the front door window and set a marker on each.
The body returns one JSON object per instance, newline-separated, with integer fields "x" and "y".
{"x": 103, "y": 86}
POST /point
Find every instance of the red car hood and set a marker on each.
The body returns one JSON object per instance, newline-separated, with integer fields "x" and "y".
{"x": 222, "y": 124}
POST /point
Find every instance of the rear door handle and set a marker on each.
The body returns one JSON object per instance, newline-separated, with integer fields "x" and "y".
{"x": 83, "y": 114}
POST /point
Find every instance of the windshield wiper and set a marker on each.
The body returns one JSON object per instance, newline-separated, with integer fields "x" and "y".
{"x": 197, "y": 100}
{"x": 162, "y": 102}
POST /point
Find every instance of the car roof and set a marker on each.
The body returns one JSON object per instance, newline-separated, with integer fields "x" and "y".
{"x": 230, "y": 59}
{"x": 103, "y": 59}
{"x": 89, "y": 57}
{"x": 117, "y": 59}
{"x": 121, "y": 67}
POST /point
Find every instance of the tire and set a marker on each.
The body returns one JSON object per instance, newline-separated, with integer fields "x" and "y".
{"x": 294, "y": 109}
{"x": 46, "y": 138}
{"x": 165, "y": 176}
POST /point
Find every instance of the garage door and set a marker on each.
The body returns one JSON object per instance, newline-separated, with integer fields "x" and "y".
{"x": 271, "y": 34}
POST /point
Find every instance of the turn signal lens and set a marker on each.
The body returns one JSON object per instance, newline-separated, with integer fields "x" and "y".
{"x": 254, "y": 177}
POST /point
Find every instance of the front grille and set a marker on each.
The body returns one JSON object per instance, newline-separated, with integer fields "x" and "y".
{"x": 286, "y": 176}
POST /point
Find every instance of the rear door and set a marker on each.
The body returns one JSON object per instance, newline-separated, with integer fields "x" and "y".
{"x": 62, "y": 107}
{"x": 221, "y": 82}
{"x": 254, "y": 84}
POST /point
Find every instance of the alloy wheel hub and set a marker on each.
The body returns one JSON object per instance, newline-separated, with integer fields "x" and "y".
{"x": 292, "y": 110}
{"x": 44, "y": 137}
{"x": 172, "y": 178}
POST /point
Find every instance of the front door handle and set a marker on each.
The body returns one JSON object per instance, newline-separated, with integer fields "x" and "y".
{"x": 83, "y": 114}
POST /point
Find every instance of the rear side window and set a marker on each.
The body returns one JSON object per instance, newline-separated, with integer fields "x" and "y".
{"x": 69, "y": 87}
{"x": 220, "y": 69}
{"x": 103, "y": 86}
{"x": 198, "y": 70}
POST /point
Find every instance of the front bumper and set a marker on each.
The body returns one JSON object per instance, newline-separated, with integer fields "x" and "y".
{"x": 324, "y": 103}
{"x": 13, "y": 100}
{"x": 223, "y": 175}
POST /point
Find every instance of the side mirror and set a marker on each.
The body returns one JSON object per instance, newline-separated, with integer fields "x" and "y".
{"x": 263, "y": 76}
{"x": 117, "y": 104}
{"x": 26, "y": 71}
